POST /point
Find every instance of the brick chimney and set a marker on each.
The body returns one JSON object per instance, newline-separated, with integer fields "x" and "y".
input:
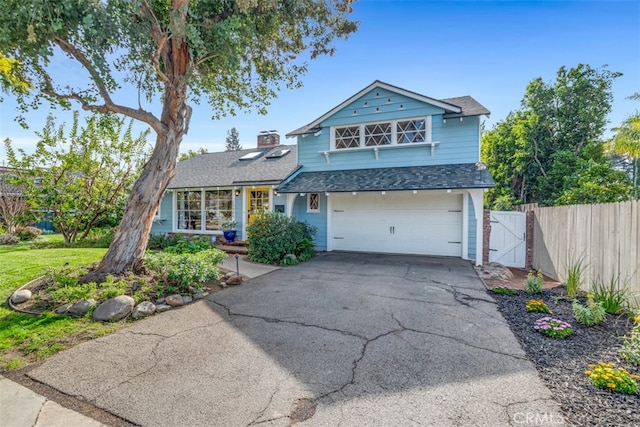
{"x": 268, "y": 138}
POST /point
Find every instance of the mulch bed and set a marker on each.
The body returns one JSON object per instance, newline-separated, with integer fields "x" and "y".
{"x": 561, "y": 363}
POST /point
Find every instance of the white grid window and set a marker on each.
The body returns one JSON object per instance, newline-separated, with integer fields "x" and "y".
{"x": 348, "y": 137}
{"x": 313, "y": 202}
{"x": 411, "y": 131}
{"x": 377, "y": 134}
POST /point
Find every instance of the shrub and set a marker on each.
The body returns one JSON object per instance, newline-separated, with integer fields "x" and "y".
{"x": 534, "y": 283}
{"x": 537, "y": 306}
{"x": 553, "y": 328}
{"x": 574, "y": 277}
{"x": 9, "y": 239}
{"x": 97, "y": 238}
{"x": 158, "y": 241}
{"x": 502, "y": 290}
{"x": 590, "y": 314}
{"x": 613, "y": 296}
{"x": 27, "y": 233}
{"x": 606, "y": 376}
{"x": 630, "y": 350}
{"x": 184, "y": 246}
{"x": 187, "y": 269}
{"x": 273, "y": 235}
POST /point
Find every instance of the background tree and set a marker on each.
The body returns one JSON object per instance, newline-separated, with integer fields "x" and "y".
{"x": 192, "y": 153}
{"x": 82, "y": 178}
{"x": 626, "y": 143}
{"x": 234, "y": 54}
{"x": 232, "y": 143}
{"x": 13, "y": 207}
{"x": 541, "y": 152}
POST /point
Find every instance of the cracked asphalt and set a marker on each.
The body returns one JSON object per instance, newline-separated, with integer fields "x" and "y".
{"x": 341, "y": 340}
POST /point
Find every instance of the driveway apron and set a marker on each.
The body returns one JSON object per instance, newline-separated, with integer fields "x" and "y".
{"x": 344, "y": 339}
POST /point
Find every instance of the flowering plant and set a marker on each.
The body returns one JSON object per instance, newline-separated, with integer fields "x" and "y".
{"x": 534, "y": 283}
{"x": 608, "y": 377}
{"x": 590, "y": 314}
{"x": 537, "y": 306}
{"x": 553, "y": 328}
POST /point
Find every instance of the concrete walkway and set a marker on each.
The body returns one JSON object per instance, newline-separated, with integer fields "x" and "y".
{"x": 21, "y": 407}
{"x": 246, "y": 267}
{"x": 343, "y": 339}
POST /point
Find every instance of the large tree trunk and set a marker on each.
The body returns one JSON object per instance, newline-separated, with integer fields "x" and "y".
{"x": 130, "y": 241}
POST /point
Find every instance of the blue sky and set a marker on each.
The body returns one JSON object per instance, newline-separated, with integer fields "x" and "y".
{"x": 490, "y": 50}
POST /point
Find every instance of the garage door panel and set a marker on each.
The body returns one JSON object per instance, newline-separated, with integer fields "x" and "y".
{"x": 397, "y": 223}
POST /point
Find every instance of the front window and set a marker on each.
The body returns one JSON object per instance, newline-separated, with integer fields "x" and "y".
{"x": 203, "y": 210}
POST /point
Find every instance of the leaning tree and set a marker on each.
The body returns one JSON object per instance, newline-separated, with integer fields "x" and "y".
{"x": 233, "y": 54}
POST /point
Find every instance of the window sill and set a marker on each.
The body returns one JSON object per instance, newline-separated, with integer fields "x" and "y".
{"x": 376, "y": 149}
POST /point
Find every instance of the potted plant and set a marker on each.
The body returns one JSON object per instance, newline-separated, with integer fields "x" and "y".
{"x": 229, "y": 230}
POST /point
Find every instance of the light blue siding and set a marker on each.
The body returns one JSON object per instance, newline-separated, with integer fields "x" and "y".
{"x": 458, "y": 141}
{"x": 238, "y": 217}
{"x": 472, "y": 230}
{"x": 319, "y": 219}
{"x": 164, "y": 224}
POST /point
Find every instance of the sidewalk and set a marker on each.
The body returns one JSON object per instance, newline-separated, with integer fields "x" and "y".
{"x": 22, "y": 407}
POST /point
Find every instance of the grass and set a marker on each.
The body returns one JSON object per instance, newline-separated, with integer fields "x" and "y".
{"x": 25, "y": 338}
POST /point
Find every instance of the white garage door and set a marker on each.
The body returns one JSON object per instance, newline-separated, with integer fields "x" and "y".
{"x": 397, "y": 222}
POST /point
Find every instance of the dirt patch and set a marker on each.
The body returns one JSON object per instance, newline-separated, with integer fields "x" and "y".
{"x": 518, "y": 280}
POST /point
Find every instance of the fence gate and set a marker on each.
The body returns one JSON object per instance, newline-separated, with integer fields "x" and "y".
{"x": 508, "y": 241}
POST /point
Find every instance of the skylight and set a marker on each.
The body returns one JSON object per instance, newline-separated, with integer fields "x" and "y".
{"x": 251, "y": 156}
{"x": 280, "y": 153}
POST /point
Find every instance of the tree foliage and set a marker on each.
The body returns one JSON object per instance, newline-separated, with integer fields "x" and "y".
{"x": 81, "y": 178}
{"x": 232, "y": 142}
{"x": 14, "y": 209}
{"x": 551, "y": 150}
{"x": 233, "y": 54}
{"x": 626, "y": 143}
{"x": 192, "y": 153}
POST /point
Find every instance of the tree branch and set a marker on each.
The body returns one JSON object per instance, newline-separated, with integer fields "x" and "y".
{"x": 159, "y": 37}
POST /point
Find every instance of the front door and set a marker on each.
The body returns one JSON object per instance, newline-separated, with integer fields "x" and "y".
{"x": 257, "y": 201}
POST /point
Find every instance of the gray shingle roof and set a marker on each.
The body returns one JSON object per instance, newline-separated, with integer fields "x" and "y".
{"x": 226, "y": 169}
{"x": 469, "y": 106}
{"x": 464, "y": 175}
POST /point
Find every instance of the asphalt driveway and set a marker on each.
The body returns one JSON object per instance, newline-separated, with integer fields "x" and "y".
{"x": 344, "y": 339}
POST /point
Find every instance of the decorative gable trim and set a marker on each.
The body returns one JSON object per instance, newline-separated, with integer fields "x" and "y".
{"x": 314, "y": 126}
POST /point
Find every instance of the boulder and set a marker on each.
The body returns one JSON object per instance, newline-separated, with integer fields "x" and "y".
{"x": 174, "y": 300}
{"x": 144, "y": 309}
{"x": 63, "y": 309}
{"x": 233, "y": 281}
{"x": 160, "y": 308}
{"x": 21, "y": 296}
{"x": 114, "y": 308}
{"x": 81, "y": 308}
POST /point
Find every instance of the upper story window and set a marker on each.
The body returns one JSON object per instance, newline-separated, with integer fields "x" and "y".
{"x": 347, "y": 137}
{"x": 393, "y": 132}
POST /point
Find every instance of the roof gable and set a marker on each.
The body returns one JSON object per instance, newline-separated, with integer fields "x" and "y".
{"x": 451, "y": 109}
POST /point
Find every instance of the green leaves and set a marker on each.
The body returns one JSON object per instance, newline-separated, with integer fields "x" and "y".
{"x": 551, "y": 150}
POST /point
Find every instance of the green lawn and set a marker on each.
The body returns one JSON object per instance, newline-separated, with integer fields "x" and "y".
{"x": 25, "y": 338}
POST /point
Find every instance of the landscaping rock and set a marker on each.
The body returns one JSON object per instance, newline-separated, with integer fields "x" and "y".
{"x": 291, "y": 257}
{"x": 114, "y": 308}
{"x": 186, "y": 300}
{"x": 495, "y": 270}
{"x": 160, "y": 308}
{"x": 144, "y": 309}
{"x": 21, "y": 296}
{"x": 160, "y": 300}
{"x": 234, "y": 281}
{"x": 81, "y": 308}
{"x": 230, "y": 274}
{"x": 63, "y": 309}
{"x": 223, "y": 285}
{"x": 174, "y": 300}
{"x": 198, "y": 295}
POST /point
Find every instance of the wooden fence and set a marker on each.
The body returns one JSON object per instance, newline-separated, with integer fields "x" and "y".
{"x": 605, "y": 236}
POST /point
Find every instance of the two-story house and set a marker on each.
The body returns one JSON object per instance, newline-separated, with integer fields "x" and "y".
{"x": 387, "y": 170}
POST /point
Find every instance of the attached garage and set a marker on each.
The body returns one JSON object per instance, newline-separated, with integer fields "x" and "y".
{"x": 421, "y": 210}
{"x": 396, "y": 222}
